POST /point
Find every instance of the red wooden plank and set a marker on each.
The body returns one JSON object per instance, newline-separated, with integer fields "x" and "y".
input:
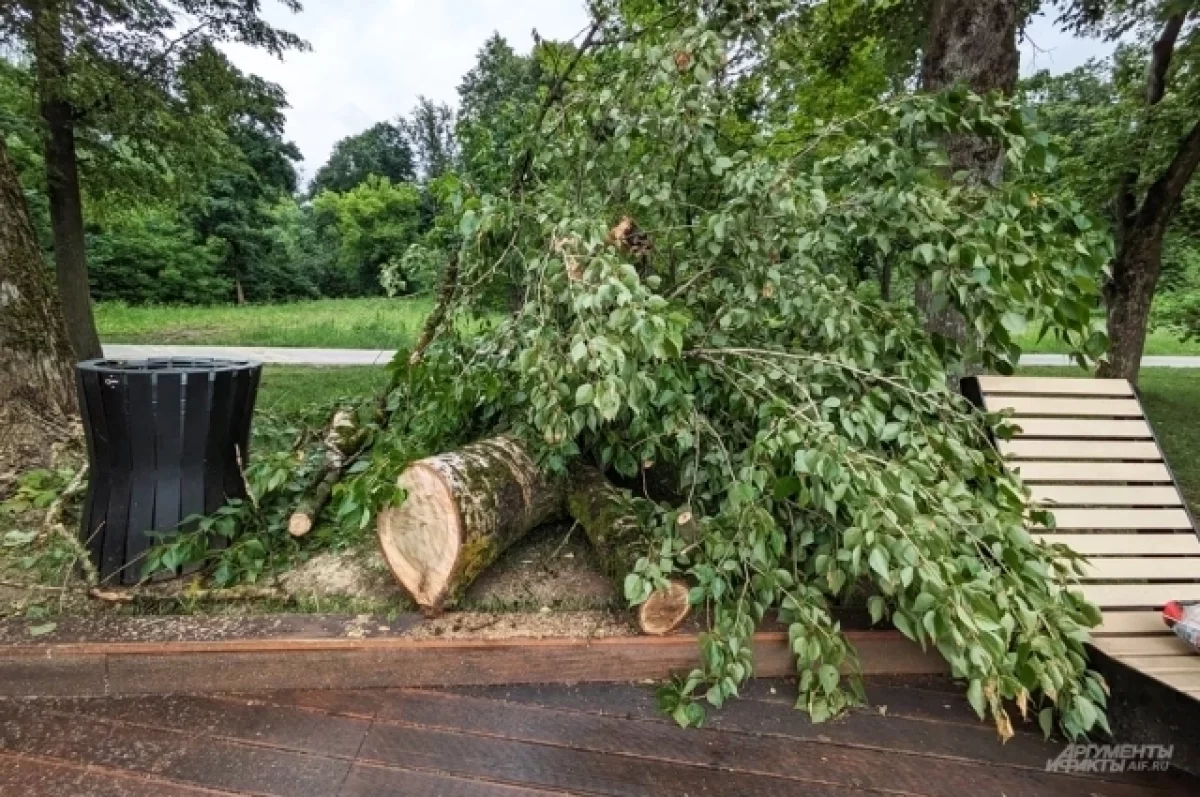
{"x": 232, "y": 718}
{"x": 368, "y": 780}
{"x": 191, "y": 758}
{"x": 51, "y": 675}
{"x": 43, "y": 777}
{"x": 560, "y": 768}
{"x": 807, "y": 757}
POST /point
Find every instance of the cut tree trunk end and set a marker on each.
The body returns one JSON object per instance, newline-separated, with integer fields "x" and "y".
{"x": 604, "y": 512}
{"x": 462, "y": 510}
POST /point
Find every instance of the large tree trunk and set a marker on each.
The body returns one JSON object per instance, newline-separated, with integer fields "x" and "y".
{"x": 1141, "y": 227}
{"x": 619, "y": 540}
{"x": 1129, "y": 294}
{"x": 37, "y": 383}
{"x": 972, "y": 42}
{"x": 462, "y": 509}
{"x": 62, "y": 182}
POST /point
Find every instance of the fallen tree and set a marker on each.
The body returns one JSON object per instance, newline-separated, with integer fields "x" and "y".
{"x": 743, "y": 346}
{"x": 620, "y": 540}
{"x": 461, "y": 510}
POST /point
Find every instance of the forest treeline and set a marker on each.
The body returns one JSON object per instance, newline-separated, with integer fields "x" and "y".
{"x": 221, "y": 216}
{"x": 190, "y": 192}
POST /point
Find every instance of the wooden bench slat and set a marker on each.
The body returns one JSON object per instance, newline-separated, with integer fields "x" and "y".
{"x": 1126, "y": 568}
{"x": 1187, "y": 679}
{"x": 1055, "y": 386}
{"x": 1065, "y": 407}
{"x": 1157, "y": 666}
{"x": 1118, "y": 622}
{"x": 1080, "y": 449}
{"x": 1143, "y": 646}
{"x": 1128, "y": 596}
{"x": 1106, "y": 519}
{"x": 1071, "y": 428}
{"x": 1076, "y": 495}
{"x": 1126, "y": 544}
{"x": 1065, "y": 471}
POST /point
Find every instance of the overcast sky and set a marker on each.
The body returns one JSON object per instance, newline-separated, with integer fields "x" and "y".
{"x": 371, "y": 58}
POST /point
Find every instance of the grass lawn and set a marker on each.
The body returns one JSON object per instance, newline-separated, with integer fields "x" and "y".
{"x": 327, "y": 323}
{"x": 290, "y": 390}
{"x": 1172, "y": 400}
{"x": 1159, "y": 341}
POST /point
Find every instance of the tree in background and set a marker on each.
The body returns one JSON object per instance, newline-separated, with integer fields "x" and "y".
{"x": 971, "y": 43}
{"x": 115, "y": 72}
{"x": 235, "y": 204}
{"x": 382, "y": 150}
{"x": 497, "y": 105}
{"x": 430, "y": 132}
{"x": 1134, "y": 143}
{"x": 375, "y": 222}
{"x": 37, "y": 382}
{"x": 150, "y": 254}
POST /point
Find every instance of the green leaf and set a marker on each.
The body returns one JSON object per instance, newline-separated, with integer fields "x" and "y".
{"x": 1046, "y": 721}
{"x": 829, "y": 678}
{"x": 584, "y": 395}
{"x": 42, "y": 630}
{"x": 975, "y": 697}
{"x": 879, "y": 561}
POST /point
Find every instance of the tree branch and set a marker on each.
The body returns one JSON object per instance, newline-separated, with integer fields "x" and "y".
{"x": 1165, "y": 193}
{"x": 525, "y": 164}
{"x": 1156, "y": 87}
{"x": 1160, "y": 59}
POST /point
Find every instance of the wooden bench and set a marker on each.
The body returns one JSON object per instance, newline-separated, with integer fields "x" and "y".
{"x": 1088, "y": 454}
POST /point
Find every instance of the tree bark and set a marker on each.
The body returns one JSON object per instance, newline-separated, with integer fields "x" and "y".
{"x": 619, "y": 540}
{"x": 462, "y": 510}
{"x": 1129, "y": 293}
{"x": 37, "y": 382}
{"x": 973, "y": 42}
{"x": 62, "y": 181}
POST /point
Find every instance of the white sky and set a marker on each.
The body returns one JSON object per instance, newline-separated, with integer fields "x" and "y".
{"x": 371, "y": 58}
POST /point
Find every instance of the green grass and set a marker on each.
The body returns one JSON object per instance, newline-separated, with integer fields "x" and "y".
{"x": 1158, "y": 342}
{"x": 354, "y": 324}
{"x": 290, "y": 390}
{"x": 327, "y": 323}
{"x": 1172, "y": 400}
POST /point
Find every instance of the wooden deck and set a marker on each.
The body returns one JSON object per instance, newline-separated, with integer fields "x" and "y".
{"x": 512, "y": 741}
{"x": 1088, "y": 454}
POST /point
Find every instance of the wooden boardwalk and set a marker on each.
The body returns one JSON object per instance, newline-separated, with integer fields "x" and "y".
{"x": 513, "y": 741}
{"x": 1088, "y": 454}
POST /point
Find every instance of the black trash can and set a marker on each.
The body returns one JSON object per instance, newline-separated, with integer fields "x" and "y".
{"x": 166, "y": 439}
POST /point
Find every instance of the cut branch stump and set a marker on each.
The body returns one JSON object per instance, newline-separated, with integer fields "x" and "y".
{"x": 605, "y": 514}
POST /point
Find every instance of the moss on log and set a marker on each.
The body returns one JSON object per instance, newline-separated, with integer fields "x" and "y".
{"x": 462, "y": 509}
{"x": 607, "y": 518}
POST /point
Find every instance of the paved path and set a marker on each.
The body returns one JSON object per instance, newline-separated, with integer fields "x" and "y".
{"x": 264, "y": 354}
{"x": 290, "y": 356}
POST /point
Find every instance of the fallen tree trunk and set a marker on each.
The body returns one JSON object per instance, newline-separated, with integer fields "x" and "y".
{"x": 619, "y": 539}
{"x": 462, "y": 509}
{"x": 341, "y": 441}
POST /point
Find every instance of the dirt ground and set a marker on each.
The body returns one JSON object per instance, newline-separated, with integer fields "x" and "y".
{"x": 547, "y": 584}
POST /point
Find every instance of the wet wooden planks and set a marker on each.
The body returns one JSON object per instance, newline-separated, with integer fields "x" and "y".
{"x": 1088, "y": 454}
{"x": 524, "y": 740}
{"x": 331, "y": 660}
